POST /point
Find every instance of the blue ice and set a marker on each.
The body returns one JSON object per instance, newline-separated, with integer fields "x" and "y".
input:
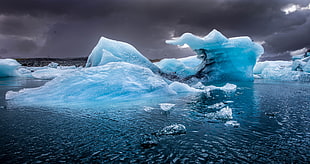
{"x": 8, "y": 67}
{"x": 223, "y": 59}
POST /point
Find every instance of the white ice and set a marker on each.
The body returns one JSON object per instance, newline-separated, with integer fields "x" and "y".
{"x": 297, "y": 70}
{"x": 166, "y": 106}
{"x": 173, "y": 129}
{"x": 47, "y": 72}
{"x": 223, "y": 114}
{"x": 8, "y": 67}
{"x": 234, "y": 124}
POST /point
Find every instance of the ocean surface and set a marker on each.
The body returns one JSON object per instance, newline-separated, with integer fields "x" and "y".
{"x": 270, "y": 124}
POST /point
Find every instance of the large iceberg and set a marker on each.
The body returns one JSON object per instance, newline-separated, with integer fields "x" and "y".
{"x": 108, "y": 50}
{"x": 115, "y": 72}
{"x": 113, "y": 81}
{"x": 8, "y": 67}
{"x": 223, "y": 59}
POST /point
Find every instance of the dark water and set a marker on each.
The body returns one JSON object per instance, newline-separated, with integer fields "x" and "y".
{"x": 274, "y": 120}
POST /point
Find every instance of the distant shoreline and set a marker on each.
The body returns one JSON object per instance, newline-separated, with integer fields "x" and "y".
{"x": 40, "y": 62}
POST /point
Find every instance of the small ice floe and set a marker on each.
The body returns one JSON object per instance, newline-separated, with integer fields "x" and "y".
{"x": 166, "y": 106}
{"x": 223, "y": 114}
{"x": 174, "y": 129}
{"x": 228, "y": 102}
{"x": 228, "y": 88}
{"x": 217, "y": 106}
{"x": 147, "y": 108}
{"x": 234, "y": 124}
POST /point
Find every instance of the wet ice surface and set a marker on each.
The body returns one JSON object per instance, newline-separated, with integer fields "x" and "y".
{"x": 273, "y": 118}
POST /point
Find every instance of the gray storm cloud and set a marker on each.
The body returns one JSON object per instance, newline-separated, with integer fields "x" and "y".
{"x": 38, "y": 28}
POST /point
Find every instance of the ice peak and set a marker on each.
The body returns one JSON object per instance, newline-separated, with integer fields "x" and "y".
{"x": 215, "y": 36}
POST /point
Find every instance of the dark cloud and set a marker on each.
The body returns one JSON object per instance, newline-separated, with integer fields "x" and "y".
{"x": 67, "y": 28}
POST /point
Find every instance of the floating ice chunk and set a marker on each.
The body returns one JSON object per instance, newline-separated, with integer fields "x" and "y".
{"x": 147, "y": 108}
{"x": 228, "y": 102}
{"x": 8, "y": 67}
{"x": 166, "y": 106}
{"x": 281, "y": 70}
{"x": 217, "y": 106}
{"x": 229, "y": 88}
{"x": 173, "y": 130}
{"x": 223, "y": 114}
{"x": 275, "y": 65}
{"x": 183, "y": 88}
{"x": 108, "y": 50}
{"x": 234, "y": 124}
{"x": 222, "y": 58}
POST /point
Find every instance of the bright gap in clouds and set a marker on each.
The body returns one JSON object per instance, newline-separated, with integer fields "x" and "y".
{"x": 293, "y": 8}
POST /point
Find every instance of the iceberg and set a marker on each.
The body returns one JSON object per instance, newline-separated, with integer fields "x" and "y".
{"x": 113, "y": 81}
{"x": 8, "y": 67}
{"x": 108, "y": 50}
{"x": 222, "y": 59}
{"x": 115, "y": 72}
{"x": 296, "y": 70}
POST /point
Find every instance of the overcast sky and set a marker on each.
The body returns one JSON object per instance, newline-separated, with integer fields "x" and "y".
{"x": 71, "y": 28}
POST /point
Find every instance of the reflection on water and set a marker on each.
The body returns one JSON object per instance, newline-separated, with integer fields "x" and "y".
{"x": 274, "y": 126}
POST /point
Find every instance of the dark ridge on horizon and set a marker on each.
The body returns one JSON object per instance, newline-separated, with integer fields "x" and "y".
{"x": 40, "y": 62}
